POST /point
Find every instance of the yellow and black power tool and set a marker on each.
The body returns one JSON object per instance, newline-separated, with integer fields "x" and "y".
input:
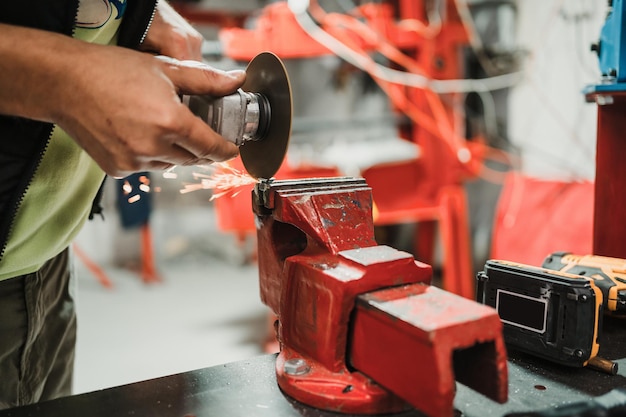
{"x": 609, "y": 274}
{"x": 555, "y": 311}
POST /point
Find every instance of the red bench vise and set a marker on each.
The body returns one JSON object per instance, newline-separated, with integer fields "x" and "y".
{"x": 361, "y": 330}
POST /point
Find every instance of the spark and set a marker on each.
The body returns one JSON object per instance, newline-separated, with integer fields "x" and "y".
{"x": 224, "y": 180}
{"x": 127, "y": 188}
{"x": 134, "y": 199}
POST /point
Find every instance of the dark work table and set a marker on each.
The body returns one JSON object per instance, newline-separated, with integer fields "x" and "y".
{"x": 248, "y": 389}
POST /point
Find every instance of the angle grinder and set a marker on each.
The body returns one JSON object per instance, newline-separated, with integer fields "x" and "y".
{"x": 257, "y": 117}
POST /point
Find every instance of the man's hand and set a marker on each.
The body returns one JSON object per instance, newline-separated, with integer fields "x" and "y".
{"x": 171, "y": 35}
{"x": 132, "y": 119}
{"x": 121, "y": 106}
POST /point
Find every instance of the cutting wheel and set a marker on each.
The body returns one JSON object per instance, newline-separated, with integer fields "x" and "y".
{"x": 266, "y": 75}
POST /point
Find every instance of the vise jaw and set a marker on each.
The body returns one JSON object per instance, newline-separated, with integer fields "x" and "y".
{"x": 361, "y": 330}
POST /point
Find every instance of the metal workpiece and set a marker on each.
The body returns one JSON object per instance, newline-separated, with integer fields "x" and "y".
{"x": 317, "y": 257}
{"x": 239, "y": 117}
{"x": 265, "y": 189}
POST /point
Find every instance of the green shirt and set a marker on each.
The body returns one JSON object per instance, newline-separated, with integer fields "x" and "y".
{"x": 58, "y": 200}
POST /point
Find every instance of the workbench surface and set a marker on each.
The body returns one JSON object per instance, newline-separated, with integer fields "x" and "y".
{"x": 248, "y": 389}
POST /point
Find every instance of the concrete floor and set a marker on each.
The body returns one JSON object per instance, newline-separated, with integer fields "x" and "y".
{"x": 206, "y": 310}
{"x": 204, "y": 313}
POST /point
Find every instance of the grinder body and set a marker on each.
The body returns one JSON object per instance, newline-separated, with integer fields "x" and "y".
{"x": 258, "y": 115}
{"x": 238, "y": 117}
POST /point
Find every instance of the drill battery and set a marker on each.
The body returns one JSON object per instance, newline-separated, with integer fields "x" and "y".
{"x": 551, "y": 314}
{"x": 555, "y": 311}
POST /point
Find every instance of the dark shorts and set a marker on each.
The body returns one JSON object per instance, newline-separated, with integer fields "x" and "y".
{"x": 37, "y": 334}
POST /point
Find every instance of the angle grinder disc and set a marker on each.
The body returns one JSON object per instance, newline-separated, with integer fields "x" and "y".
{"x": 267, "y": 75}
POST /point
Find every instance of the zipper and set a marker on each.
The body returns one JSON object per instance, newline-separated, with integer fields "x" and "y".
{"x": 76, "y": 7}
{"x": 40, "y": 154}
{"x": 20, "y": 200}
{"x": 145, "y": 32}
{"x": 137, "y": 20}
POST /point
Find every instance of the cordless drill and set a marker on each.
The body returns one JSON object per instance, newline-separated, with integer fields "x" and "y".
{"x": 555, "y": 311}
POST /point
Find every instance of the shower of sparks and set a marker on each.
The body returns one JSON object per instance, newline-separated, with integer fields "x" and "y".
{"x": 224, "y": 180}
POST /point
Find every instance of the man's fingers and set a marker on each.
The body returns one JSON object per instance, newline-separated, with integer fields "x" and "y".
{"x": 192, "y": 77}
{"x": 187, "y": 141}
{"x": 205, "y": 144}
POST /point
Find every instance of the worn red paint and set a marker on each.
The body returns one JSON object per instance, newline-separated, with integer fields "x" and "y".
{"x": 317, "y": 256}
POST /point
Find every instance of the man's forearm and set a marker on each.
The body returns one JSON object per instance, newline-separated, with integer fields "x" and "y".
{"x": 35, "y": 66}
{"x": 121, "y": 106}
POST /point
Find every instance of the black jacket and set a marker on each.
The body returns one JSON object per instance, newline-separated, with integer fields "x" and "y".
{"x": 23, "y": 141}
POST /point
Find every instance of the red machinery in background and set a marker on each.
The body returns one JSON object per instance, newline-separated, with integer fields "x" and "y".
{"x": 427, "y": 189}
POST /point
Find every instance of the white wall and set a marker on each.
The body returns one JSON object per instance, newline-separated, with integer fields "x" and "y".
{"x": 548, "y": 118}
